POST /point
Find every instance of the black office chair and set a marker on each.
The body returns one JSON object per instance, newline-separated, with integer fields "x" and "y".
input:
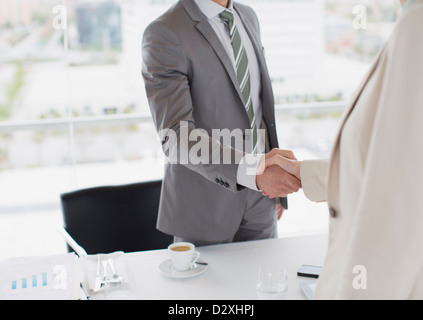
{"x": 119, "y": 218}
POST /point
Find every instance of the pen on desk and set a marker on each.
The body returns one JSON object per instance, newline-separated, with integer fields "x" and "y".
{"x": 85, "y": 292}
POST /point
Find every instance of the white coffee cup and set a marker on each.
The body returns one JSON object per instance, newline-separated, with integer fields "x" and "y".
{"x": 183, "y": 255}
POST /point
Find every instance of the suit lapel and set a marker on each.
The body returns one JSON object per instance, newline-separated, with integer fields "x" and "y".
{"x": 257, "y": 48}
{"x": 208, "y": 33}
{"x": 349, "y": 110}
{"x": 206, "y": 30}
{"x": 334, "y": 160}
{"x": 268, "y": 102}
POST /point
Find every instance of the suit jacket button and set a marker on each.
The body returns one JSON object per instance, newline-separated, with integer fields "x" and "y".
{"x": 227, "y": 185}
{"x": 332, "y": 212}
{"x": 217, "y": 180}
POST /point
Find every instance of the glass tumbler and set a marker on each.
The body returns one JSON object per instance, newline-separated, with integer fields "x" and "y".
{"x": 272, "y": 279}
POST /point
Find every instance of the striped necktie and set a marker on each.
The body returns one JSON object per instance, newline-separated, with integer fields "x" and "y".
{"x": 242, "y": 71}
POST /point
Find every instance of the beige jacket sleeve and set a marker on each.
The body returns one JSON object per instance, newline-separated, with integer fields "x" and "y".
{"x": 314, "y": 176}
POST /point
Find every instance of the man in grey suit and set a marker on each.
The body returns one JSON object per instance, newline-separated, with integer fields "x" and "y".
{"x": 204, "y": 70}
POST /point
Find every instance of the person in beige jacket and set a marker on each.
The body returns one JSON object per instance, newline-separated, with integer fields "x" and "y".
{"x": 373, "y": 182}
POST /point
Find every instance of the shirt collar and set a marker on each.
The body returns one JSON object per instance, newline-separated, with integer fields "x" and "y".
{"x": 211, "y": 9}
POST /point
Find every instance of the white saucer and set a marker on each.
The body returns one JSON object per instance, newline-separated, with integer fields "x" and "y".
{"x": 166, "y": 269}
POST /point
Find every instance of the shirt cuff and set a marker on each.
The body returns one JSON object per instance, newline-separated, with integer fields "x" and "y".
{"x": 247, "y": 171}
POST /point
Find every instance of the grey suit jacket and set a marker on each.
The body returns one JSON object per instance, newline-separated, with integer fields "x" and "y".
{"x": 189, "y": 77}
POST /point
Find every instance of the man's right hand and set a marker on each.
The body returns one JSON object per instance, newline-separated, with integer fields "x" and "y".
{"x": 288, "y": 164}
{"x": 276, "y": 182}
{"x": 272, "y": 179}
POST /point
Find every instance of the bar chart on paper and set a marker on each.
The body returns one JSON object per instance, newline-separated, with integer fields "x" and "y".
{"x": 35, "y": 281}
{"x": 48, "y": 278}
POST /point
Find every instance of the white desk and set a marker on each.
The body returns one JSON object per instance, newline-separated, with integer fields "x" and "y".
{"x": 232, "y": 271}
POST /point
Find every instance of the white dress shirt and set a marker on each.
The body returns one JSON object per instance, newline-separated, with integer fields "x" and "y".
{"x": 248, "y": 165}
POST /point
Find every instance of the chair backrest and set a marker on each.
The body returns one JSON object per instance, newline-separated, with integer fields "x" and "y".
{"x": 116, "y": 218}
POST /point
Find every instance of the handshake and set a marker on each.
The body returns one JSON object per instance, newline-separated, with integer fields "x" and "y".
{"x": 278, "y": 174}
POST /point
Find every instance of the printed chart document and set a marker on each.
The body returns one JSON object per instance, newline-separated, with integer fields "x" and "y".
{"x": 40, "y": 278}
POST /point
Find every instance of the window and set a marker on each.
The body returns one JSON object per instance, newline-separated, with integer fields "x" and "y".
{"x": 73, "y": 111}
